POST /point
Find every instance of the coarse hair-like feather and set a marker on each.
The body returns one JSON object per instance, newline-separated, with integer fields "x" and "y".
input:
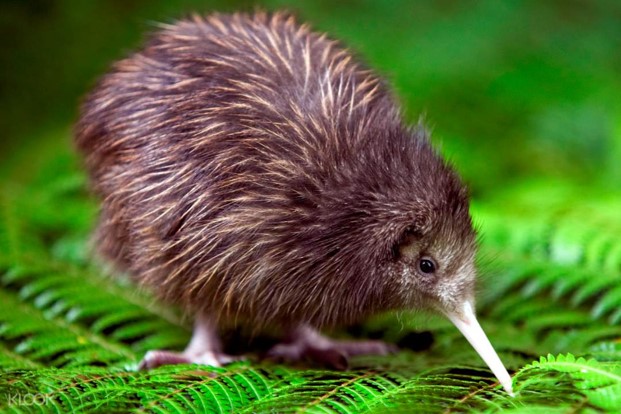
{"x": 251, "y": 168}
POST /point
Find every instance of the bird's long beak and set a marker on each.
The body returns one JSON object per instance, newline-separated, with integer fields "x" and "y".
{"x": 466, "y": 321}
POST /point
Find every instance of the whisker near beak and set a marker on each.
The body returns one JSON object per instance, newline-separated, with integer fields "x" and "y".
{"x": 466, "y": 322}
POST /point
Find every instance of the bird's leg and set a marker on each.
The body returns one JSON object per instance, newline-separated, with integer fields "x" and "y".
{"x": 204, "y": 348}
{"x": 305, "y": 342}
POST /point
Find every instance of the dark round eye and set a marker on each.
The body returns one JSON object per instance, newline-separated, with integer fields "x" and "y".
{"x": 426, "y": 265}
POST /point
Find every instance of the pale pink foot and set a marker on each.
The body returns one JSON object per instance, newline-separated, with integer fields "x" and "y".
{"x": 156, "y": 358}
{"x": 307, "y": 343}
{"x": 204, "y": 348}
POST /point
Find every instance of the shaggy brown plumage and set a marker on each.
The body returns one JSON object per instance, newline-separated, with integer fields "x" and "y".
{"x": 250, "y": 168}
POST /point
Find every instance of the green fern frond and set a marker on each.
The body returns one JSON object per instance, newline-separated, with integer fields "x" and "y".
{"x": 599, "y": 382}
{"x": 73, "y": 336}
{"x": 567, "y": 256}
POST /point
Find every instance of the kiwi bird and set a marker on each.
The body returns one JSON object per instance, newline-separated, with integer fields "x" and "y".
{"x": 252, "y": 171}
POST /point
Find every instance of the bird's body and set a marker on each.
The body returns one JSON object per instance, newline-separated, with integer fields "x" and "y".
{"x": 252, "y": 170}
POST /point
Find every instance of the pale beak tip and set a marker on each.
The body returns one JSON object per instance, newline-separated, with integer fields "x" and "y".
{"x": 508, "y": 386}
{"x": 468, "y": 325}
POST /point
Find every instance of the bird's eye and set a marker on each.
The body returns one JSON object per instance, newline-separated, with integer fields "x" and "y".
{"x": 426, "y": 265}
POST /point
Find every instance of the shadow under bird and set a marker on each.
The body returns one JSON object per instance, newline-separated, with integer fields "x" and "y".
{"x": 253, "y": 172}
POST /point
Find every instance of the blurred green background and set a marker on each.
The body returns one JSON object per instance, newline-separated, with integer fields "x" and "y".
{"x": 511, "y": 89}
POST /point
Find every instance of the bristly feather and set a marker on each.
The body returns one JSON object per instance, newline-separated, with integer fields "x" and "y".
{"x": 249, "y": 167}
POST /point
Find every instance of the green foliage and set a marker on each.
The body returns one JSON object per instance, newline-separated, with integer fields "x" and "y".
{"x": 72, "y": 337}
{"x": 599, "y": 382}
